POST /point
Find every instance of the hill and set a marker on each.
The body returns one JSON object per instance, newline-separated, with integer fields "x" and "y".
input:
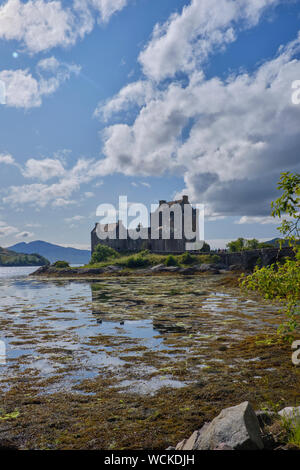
{"x": 54, "y": 252}
{"x": 276, "y": 241}
{"x": 11, "y": 258}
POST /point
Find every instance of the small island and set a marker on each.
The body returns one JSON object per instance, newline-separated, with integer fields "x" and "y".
{"x": 11, "y": 258}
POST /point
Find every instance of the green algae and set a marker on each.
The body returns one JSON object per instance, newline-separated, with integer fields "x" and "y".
{"x": 209, "y": 337}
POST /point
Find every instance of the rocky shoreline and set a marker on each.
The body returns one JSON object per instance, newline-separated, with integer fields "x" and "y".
{"x": 241, "y": 428}
{"x": 52, "y": 271}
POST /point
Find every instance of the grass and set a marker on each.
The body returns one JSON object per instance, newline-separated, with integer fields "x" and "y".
{"x": 292, "y": 429}
{"x": 146, "y": 258}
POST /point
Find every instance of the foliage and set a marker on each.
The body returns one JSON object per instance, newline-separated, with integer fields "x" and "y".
{"x": 281, "y": 281}
{"x": 137, "y": 262}
{"x": 14, "y": 415}
{"x": 205, "y": 248}
{"x": 242, "y": 244}
{"x": 11, "y": 258}
{"x": 187, "y": 258}
{"x": 292, "y": 429}
{"x": 103, "y": 253}
{"x": 171, "y": 261}
{"x": 288, "y": 204}
{"x": 61, "y": 264}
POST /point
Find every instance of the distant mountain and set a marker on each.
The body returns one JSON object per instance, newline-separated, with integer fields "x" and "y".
{"x": 11, "y": 258}
{"x": 54, "y": 252}
{"x": 276, "y": 242}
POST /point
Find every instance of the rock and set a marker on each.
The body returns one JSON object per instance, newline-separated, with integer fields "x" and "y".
{"x": 161, "y": 268}
{"x": 236, "y": 267}
{"x": 221, "y": 266}
{"x": 113, "y": 269}
{"x": 206, "y": 268}
{"x": 186, "y": 271}
{"x": 157, "y": 268}
{"x": 236, "y": 427}
{"x": 292, "y": 414}
{"x": 189, "y": 444}
{"x": 223, "y": 447}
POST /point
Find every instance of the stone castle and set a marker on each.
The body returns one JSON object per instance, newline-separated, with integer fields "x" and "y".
{"x": 146, "y": 240}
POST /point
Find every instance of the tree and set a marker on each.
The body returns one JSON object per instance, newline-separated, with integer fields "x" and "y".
{"x": 288, "y": 204}
{"x": 103, "y": 253}
{"x": 236, "y": 246}
{"x": 281, "y": 282}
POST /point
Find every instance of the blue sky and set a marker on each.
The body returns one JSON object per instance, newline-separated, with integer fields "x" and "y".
{"x": 149, "y": 99}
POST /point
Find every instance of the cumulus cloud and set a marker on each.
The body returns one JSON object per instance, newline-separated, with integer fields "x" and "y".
{"x": 57, "y": 194}
{"x": 23, "y": 90}
{"x": 7, "y": 230}
{"x": 107, "y": 8}
{"x": 186, "y": 39}
{"x": 41, "y": 25}
{"x": 7, "y": 159}
{"x": 258, "y": 220}
{"x": 229, "y": 138}
{"x": 43, "y": 169}
{"x": 24, "y": 235}
{"x": 38, "y": 24}
{"x": 137, "y": 93}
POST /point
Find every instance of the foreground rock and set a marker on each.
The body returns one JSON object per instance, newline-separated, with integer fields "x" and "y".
{"x": 291, "y": 414}
{"x": 235, "y": 428}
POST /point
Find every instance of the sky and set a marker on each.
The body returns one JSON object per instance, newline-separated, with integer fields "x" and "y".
{"x": 151, "y": 99}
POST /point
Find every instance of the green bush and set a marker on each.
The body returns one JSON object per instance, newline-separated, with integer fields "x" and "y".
{"x": 103, "y": 253}
{"x": 171, "y": 261}
{"x": 61, "y": 264}
{"x": 187, "y": 258}
{"x": 137, "y": 262}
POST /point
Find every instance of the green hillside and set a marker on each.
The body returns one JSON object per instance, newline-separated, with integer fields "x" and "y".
{"x": 11, "y": 258}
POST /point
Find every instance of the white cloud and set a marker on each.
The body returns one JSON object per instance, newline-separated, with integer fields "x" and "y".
{"x": 41, "y": 25}
{"x": 229, "y": 138}
{"x": 23, "y": 90}
{"x": 57, "y": 194}
{"x": 75, "y": 218}
{"x": 137, "y": 93}
{"x": 7, "y": 159}
{"x": 186, "y": 39}
{"x": 107, "y": 8}
{"x": 23, "y": 235}
{"x": 43, "y": 169}
{"x": 7, "y": 230}
{"x": 258, "y": 220}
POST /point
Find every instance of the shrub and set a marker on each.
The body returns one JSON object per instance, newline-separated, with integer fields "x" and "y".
{"x": 103, "y": 253}
{"x": 137, "y": 262}
{"x": 61, "y": 264}
{"x": 187, "y": 258}
{"x": 171, "y": 261}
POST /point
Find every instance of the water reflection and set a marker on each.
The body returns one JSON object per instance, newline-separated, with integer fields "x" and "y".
{"x": 70, "y": 331}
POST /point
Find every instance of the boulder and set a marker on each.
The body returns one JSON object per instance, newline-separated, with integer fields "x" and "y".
{"x": 236, "y": 267}
{"x": 190, "y": 270}
{"x": 158, "y": 268}
{"x": 162, "y": 268}
{"x": 236, "y": 428}
{"x": 291, "y": 414}
{"x": 206, "y": 268}
{"x": 113, "y": 269}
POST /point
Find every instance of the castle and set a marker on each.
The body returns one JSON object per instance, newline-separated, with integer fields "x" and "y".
{"x": 148, "y": 239}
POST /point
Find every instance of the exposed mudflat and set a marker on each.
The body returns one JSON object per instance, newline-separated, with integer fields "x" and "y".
{"x": 132, "y": 362}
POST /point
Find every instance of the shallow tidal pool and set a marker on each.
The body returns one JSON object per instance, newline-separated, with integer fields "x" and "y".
{"x": 143, "y": 333}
